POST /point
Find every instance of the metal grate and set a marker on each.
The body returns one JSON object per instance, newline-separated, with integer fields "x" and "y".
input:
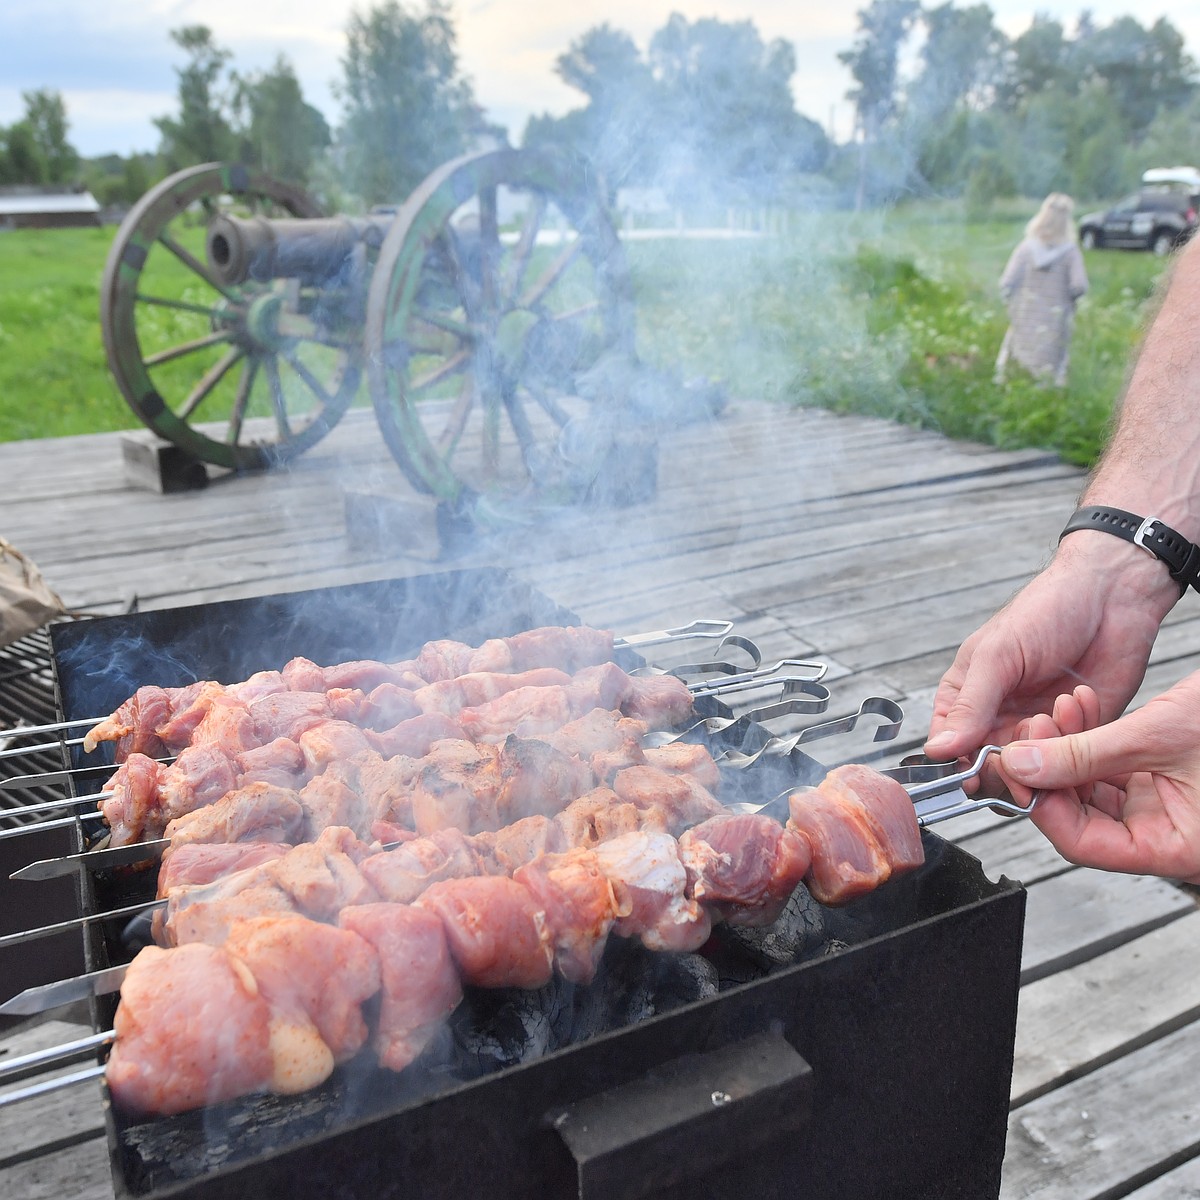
{"x": 26, "y": 698}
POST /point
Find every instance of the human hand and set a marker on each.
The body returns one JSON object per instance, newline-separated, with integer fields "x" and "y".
{"x": 1122, "y": 796}
{"x": 1090, "y": 617}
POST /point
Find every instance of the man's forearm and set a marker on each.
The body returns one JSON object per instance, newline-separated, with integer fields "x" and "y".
{"x": 1152, "y": 464}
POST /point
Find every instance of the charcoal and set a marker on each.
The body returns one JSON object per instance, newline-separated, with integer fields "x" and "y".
{"x": 799, "y": 932}
{"x": 635, "y": 983}
{"x": 496, "y": 1028}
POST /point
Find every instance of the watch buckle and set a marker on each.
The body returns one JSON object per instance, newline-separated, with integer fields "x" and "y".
{"x": 1143, "y": 532}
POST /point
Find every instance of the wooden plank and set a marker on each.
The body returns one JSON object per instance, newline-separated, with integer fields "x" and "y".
{"x": 1181, "y": 1184}
{"x": 1073, "y": 917}
{"x": 1075, "y": 1021}
{"x": 1104, "y": 1134}
{"x": 80, "y": 1172}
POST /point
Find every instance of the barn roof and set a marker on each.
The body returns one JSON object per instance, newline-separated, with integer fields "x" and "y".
{"x": 14, "y": 202}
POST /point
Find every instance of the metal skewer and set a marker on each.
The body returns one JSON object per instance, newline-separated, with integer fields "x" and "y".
{"x": 53, "y": 727}
{"x": 50, "y": 1085}
{"x": 31, "y": 935}
{"x": 40, "y": 748}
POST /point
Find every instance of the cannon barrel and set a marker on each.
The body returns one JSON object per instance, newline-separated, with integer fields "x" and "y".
{"x": 314, "y": 250}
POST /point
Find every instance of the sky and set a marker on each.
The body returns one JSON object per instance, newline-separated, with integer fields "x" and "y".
{"x": 114, "y": 62}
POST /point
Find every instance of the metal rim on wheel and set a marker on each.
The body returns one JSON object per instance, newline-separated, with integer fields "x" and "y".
{"x": 501, "y": 283}
{"x": 243, "y": 376}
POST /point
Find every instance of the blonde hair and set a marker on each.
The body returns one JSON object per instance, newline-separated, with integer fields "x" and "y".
{"x": 1053, "y": 225}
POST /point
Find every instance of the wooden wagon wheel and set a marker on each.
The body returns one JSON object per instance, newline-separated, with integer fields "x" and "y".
{"x": 239, "y": 375}
{"x": 500, "y": 285}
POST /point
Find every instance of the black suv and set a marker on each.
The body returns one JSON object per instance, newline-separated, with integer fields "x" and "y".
{"x": 1155, "y": 219}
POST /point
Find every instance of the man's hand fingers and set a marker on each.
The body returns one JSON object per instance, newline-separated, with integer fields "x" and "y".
{"x": 1117, "y": 749}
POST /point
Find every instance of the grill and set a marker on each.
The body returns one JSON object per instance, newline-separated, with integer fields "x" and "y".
{"x": 859, "y": 1052}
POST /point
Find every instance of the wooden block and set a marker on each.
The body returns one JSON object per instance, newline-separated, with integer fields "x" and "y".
{"x": 159, "y": 466}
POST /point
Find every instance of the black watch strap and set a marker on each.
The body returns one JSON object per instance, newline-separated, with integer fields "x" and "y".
{"x": 1152, "y": 535}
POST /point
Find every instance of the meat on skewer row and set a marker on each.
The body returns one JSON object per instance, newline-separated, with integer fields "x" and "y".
{"x": 155, "y": 720}
{"x": 236, "y": 750}
{"x": 276, "y": 1031}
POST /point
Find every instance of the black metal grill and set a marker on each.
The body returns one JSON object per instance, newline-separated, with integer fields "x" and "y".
{"x": 26, "y": 697}
{"x": 874, "y": 1065}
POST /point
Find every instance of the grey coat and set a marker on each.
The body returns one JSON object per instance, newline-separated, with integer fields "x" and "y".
{"x": 1040, "y": 286}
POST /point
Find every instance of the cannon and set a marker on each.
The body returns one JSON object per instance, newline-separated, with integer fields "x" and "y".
{"x": 240, "y": 323}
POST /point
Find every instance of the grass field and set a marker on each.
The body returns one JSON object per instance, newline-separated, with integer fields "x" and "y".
{"x": 895, "y": 314}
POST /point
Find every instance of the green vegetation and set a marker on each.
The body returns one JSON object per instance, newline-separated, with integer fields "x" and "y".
{"x": 895, "y": 315}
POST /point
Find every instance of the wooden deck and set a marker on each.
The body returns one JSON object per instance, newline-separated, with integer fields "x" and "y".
{"x": 875, "y": 547}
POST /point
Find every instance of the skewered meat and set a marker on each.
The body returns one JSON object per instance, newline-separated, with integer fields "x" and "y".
{"x": 649, "y": 882}
{"x": 579, "y": 905}
{"x": 475, "y": 787}
{"x": 401, "y": 875}
{"x": 679, "y": 797}
{"x": 496, "y": 931}
{"x": 259, "y": 813}
{"x": 686, "y": 758}
{"x": 133, "y": 808}
{"x": 134, "y": 726}
{"x": 280, "y": 762}
{"x": 226, "y": 1053}
{"x": 201, "y": 862}
{"x": 420, "y": 981}
{"x": 502, "y": 851}
{"x": 450, "y": 696}
{"x": 745, "y": 867}
{"x": 604, "y": 739}
{"x": 601, "y": 815}
{"x": 861, "y": 827}
{"x": 156, "y": 720}
{"x": 317, "y": 879}
{"x": 662, "y": 701}
{"x": 314, "y": 979}
{"x": 414, "y": 737}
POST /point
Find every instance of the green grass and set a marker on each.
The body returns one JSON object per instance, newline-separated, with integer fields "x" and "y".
{"x": 53, "y": 377}
{"x": 894, "y": 314}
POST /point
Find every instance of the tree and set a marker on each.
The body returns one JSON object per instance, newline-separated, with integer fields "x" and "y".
{"x": 727, "y": 117}
{"x": 615, "y": 129}
{"x": 884, "y": 26}
{"x": 281, "y": 134}
{"x": 406, "y": 108}
{"x": 21, "y": 160}
{"x": 46, "y": 118}
{"x": 202, "y": 132}
{"x": 1144, "y": 70}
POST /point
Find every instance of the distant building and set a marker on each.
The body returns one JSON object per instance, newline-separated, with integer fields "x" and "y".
{"x": 46, "y": 207}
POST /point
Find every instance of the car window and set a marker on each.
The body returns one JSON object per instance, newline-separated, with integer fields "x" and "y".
{"x": 1129, "y": 204}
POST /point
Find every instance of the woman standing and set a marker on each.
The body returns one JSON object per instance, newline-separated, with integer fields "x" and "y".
{"x": 1041, "y": 284}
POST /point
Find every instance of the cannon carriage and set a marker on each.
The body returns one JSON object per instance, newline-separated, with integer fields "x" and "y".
{"x": 240, "y": 323}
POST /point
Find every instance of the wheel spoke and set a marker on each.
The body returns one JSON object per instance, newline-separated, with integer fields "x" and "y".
{"x": 548, "y": 404}
{"x": 524, "y": 248}
{"x": 278, "y": 400}
{"x": 451, "y": 366}
{"x": 190, "y": 261}
{"x": 211, "y": 378}
{"x": 241, "y": 401}
{"x": 552, "y": 273}
{"x": 460, "y": 328}
{"x": 489, "y": 249}
{"x": 456, "y": 423}
{"x": 182, "y": 305}
{"x": 313, "y": 383}
{"x": 165, "y": 356}
{"x": 520, "y": 422}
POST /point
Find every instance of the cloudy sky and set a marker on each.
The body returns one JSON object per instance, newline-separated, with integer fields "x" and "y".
{"x": 114, "y": 61}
